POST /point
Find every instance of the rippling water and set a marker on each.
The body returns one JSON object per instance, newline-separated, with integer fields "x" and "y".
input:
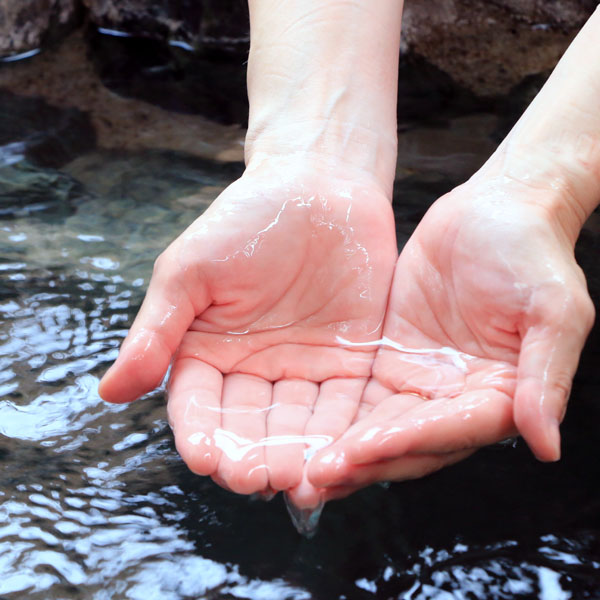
{"x": 95, "y": 502}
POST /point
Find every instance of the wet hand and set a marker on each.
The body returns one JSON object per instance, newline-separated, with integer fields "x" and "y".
{"x": 247, "y": 305}
{"x": 487, "y": 317}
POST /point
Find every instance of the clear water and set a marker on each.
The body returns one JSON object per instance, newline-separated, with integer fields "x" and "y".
{"x": 95, "y": 502}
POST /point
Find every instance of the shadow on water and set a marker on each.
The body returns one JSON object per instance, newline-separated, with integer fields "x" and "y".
{"x": 94, "y": 500}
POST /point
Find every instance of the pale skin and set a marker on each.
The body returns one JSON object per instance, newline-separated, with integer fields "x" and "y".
{"x": 271, "y": 305}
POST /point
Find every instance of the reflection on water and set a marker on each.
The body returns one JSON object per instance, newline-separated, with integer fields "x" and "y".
{"x": 94, "y": 500}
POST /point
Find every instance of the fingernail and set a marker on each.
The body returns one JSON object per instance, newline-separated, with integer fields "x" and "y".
{"x": 553, "y": 437}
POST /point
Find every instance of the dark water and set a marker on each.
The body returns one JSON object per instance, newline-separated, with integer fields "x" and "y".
{"x": 95, "y": 502}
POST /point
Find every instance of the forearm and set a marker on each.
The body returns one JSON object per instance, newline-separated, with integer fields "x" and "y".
{"x": 322, "y": 82}
{"x": 556, "y": 143}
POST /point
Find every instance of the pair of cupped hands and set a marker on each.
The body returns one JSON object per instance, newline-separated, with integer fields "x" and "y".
{"x": 307, "y": 357}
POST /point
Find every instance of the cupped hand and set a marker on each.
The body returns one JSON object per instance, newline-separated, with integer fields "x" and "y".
{"x": 248, "y": 305}
{"x": 487, "y": 318}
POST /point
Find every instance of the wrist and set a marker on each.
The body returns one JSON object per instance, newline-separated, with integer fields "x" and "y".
{"x": 326, "y": 145}
{"x": 554, "y": 149}
{"x": 560, "y": 181}
{"x": 322, "y": 83}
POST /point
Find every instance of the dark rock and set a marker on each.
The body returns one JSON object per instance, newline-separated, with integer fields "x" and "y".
{"x": 482, "y": 48}
{"x": 490, "y": 46}
{"x": 486, "y": 47}
{"x": 211, "y": 22}
{"x": 426, "y": 93}
{"x": 211, "y": 83}
{"x": 47, "y": 135}
{"x": 27, "y": 24}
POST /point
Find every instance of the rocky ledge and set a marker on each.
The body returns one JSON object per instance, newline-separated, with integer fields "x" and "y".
{"x": 487, "y": 46}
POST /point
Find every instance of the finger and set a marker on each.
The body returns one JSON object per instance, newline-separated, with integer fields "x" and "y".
{"x": 336, "y": 407}
{"x": 292, "y": 406}
{"x": 306, "y": 496}
{"x": 409, "y": 466}
{"x": 326, "y": 464}
{"x": 375, "y": 393}
{"x": 547, "y": 364}
{"x": 194, "y": 410}
{"x": 334, "y": 411}
{"x": 245, "y": 405}
{"x": 165, "y": 315}
{"x": 472, "y": 420}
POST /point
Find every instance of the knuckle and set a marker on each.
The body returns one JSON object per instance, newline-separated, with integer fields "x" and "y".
{"x": 582, "y": 308}
{"x": 560, "y": 385}
{"x": 283, "y": 480}
{"x": 160, "y": 263}
{"x": 588, "y": 311}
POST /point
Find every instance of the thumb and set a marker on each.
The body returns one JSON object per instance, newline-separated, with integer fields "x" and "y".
{"x": 554, "y": 337}
{"x": 166, "y": 314}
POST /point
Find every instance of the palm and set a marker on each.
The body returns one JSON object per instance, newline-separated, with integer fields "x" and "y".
{"x": 484, "y": 301}
{"x": 263, "y": 285}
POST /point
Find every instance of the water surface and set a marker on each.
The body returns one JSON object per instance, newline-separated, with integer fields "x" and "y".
{"x": 95, "y": 502}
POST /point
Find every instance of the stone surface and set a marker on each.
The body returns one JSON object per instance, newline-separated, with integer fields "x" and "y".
{"x": 47, "y": 135}
{"x": 210, "y": 83}
{"x": 26, "y": 24}
{"x": 485, "y": 46}
{"x": 66, "y": 78}
{"x": 490, "y": 46}
{"x": 194, "y": 22}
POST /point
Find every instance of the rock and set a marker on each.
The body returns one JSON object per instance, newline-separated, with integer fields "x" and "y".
{"x": 211, "y": 82}
{"x": 65, "y": 77}
{"x": 26, "y": 24}
{"x": 490, "y": 46}
{"x": 210, "y": 22}
{"x": 49, "y": 136}
{"x": 28, "y": 190}
{"x": 484, "y": 46}
{"x": 487, "y": 47}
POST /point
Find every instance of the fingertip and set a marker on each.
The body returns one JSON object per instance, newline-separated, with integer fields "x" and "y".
{"x": 242, "y": 480}
{"x": 547, "y": 447}
{"x": 198, "y": 452}
{"x": 305, "y": 496}
{"x": 124, "y": 383}
{"x": 327, "y": 468}
{"x": 540, "y": 430}
{"x": 104, "y": 387}
{"x": 112, "y": 390}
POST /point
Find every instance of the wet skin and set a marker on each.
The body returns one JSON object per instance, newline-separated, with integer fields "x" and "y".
{"x": 251, "y": 319}
{"x": 279, "y": 343}
{"x": 486, "y": 320}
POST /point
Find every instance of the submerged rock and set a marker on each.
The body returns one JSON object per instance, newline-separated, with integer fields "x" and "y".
{"x": 27, "y": 190}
